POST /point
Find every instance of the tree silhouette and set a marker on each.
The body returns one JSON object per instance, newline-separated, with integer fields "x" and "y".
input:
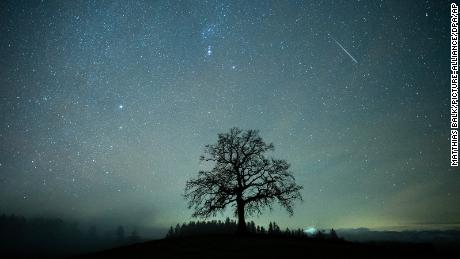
{"x": 241, "y": 177}
{"x": 93, "y": 233}
{"x": 120, "y": 234}
{"x": 170, "y": 232}
{"x": 333, "y": 234}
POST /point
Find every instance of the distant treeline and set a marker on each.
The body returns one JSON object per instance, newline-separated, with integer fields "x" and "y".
{"x": 55, "y": 237}
{"x": 218, "y": 227}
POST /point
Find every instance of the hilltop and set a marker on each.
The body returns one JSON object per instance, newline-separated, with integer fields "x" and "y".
{"x": 255, "y": 246}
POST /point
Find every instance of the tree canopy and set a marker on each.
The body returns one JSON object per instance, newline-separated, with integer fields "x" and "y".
{"x": 241, "y": 177}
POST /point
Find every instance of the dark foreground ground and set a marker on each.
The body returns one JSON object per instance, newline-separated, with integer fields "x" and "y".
{"x": 269, "y": 247}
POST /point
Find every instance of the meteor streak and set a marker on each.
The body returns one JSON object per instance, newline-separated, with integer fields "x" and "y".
{"x": 348, "y": 53}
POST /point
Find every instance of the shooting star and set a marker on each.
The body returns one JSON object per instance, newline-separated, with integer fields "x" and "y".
{"x": 348, "y": 53}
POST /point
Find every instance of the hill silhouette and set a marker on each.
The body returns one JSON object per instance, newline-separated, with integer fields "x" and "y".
{"x": 217, "y": 239}
{"x": 55, "y": 238}
{"x": 265, "y": 246}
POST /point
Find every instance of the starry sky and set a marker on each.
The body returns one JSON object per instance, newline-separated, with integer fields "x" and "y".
{"x": 106, "y": 106}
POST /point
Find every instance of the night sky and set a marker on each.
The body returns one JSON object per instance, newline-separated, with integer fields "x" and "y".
{"x": 106, "y": 106}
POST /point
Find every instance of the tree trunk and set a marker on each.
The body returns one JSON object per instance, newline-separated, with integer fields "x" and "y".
{"x": 241, "y": 221}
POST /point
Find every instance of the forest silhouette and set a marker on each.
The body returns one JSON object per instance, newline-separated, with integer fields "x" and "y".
{"x": 49, "y": 237}
{"x": 230, "y": 227}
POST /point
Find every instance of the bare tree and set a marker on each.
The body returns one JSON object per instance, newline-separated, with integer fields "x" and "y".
{"x": 241, "y": 177}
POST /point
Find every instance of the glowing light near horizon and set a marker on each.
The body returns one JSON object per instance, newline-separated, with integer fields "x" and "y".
{"x": 311, "y": 230}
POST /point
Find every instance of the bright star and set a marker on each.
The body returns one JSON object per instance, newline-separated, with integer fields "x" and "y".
{"x": 121, "y": 106}
{"x": 209, "y": 50}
